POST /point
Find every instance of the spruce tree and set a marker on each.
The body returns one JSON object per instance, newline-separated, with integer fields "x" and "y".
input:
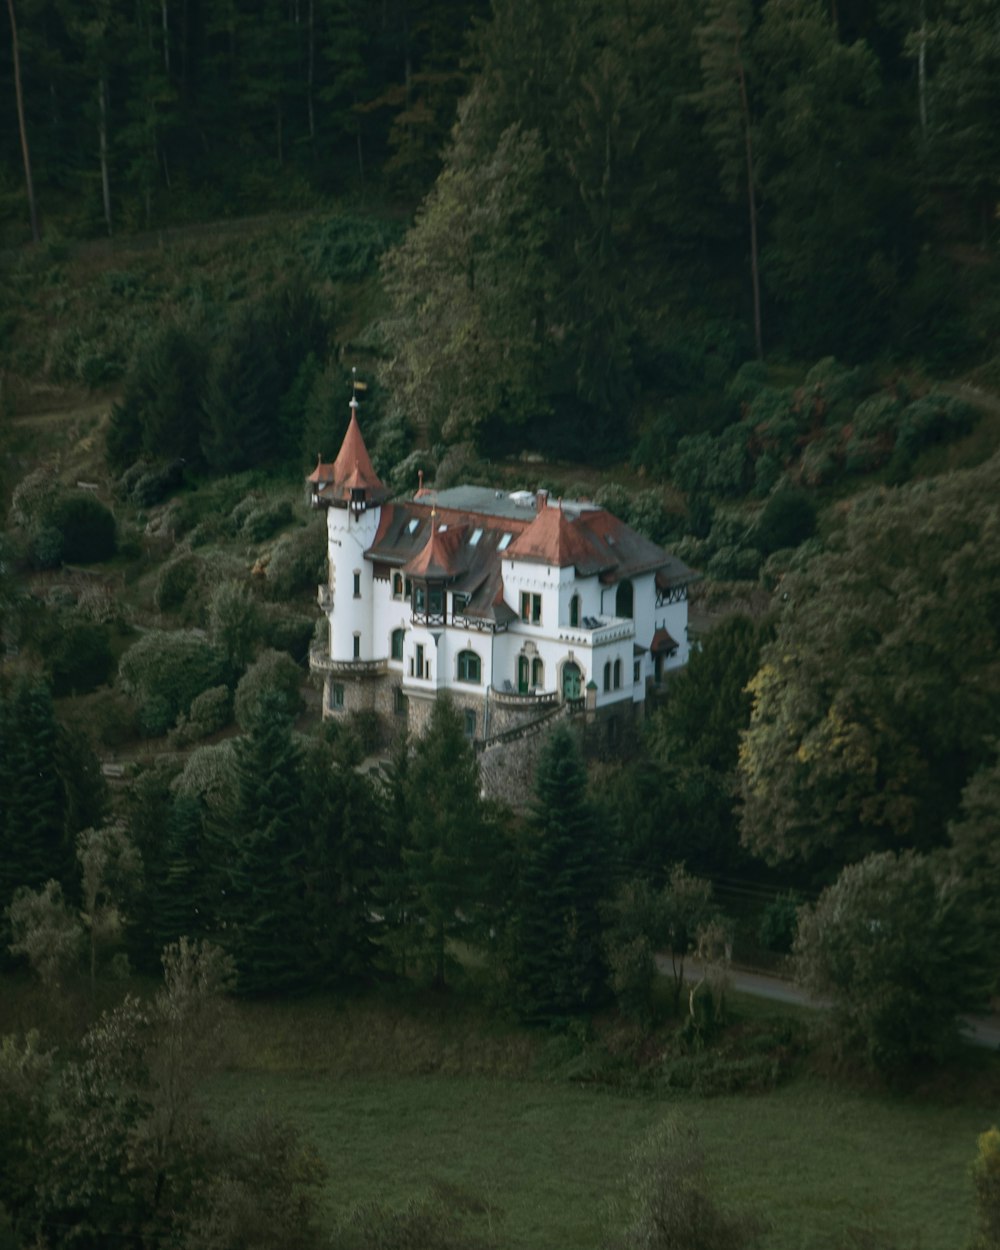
{"x": 262, "y": 857}
{"x": 558, "y": 964}
{"x": 344, "y": 830}
{"x": 33, "y": 846}
{"x": 446, "y": 855}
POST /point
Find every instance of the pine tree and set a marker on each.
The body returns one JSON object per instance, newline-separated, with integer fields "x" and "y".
{"x": 33, "y": 843}
{"x": 262, "y": 857}
{"x": 446, "y": 853}
{"x": 558, "y": 963}
{"x": 344, "y": 822}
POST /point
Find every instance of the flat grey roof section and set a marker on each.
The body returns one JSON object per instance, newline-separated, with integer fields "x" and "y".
{"x": 498, "y": 503}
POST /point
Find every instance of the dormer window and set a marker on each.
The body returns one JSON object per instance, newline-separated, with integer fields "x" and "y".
{"x": 412, "y": 527}
{"x": 358, "y": 500}
{"x": 475, "y": 536}
{"x": 504, "y": 542}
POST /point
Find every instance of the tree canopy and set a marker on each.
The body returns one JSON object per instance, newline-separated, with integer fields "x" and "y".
{"x": 873, "y": 703}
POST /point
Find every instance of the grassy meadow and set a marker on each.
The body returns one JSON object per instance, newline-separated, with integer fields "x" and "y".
{"x": 404, "y": 1104}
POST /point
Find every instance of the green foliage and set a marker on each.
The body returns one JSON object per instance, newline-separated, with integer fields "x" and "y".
{"x": 259, "y": 854}
{"x": 234, "y": 622}
{"x": 164, "y": 671}
{"x": 45, "y": 931}
{"x": 986, "y": 1178}
{"x": 447, "y": 852}
{"x": 177, "y": 578}
{"x": 842, "y": 758}
{"x": 86, "y": 528}
{"x": 158, "y": 414}
{"x": 895, "y": 949}
{"x": 559, "y": 966}
{"x": 788, "y": 519}
{"x": 297, "y": 562}
{"x": 33, "y": 791}
{"x": 779, "y": 922}
{"x": 672, "y": 1203}
{"x": 79, "y": 656}
{"x": 273, "y": 673}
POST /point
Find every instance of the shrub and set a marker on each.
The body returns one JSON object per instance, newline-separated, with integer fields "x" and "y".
{"x": 734, "y": 564}
{"x": 290, "y": 632}
{"x": 266, "y": 520}
{"x": 298, "y": 561}
{"x": 176, "y": 579}
{"x": 154, "y": 485}
{"x": 79, "y": 658}
{"x": 271, "y": 671}
{"x": 165, "y": 671}
{"x": 788, "y": 519}
{"x": 210, "y": 712}
{"x": 87, "y": 527}
{"x": 779, "y": 923}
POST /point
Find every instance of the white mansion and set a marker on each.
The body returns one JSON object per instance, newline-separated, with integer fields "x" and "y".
{"x": 513, "y": 603}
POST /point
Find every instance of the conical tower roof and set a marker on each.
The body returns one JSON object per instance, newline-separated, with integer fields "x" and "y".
{"x": 351, "y": 472}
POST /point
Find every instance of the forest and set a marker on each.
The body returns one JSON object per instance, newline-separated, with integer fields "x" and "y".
{"x": 728, "y": 267}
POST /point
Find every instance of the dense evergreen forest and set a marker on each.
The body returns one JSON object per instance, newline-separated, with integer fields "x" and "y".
{"x": 728, "y": 266}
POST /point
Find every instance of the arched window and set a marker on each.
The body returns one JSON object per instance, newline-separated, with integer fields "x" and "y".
{"x": 624, "y": 599}
{"x": 537, "y": 672}
{"x": 574, "y": 611}
{"x": 618, "y": 674}
{"x": 607, "y": 676}
{"x": 470, "y": 667}
{"x": 523, "y": 674}
{"x": 397, "y": 644}
{"x": 397, "y": 585}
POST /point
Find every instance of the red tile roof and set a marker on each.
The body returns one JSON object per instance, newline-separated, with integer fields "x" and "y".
{"x": 352, "y": 470}
{"x": 439, "y": 556}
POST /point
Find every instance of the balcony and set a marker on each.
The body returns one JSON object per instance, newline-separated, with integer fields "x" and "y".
{"x": 598, "y": 631}
{"x": 507, "y": 696}
{"x": 320, "y": 662}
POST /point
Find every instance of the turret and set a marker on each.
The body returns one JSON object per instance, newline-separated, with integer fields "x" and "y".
{"x": 352, "y": 494}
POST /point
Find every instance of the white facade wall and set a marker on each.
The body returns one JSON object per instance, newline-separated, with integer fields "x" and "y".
{"x": 348, "y": 538}
{"x": 375, "y": 614}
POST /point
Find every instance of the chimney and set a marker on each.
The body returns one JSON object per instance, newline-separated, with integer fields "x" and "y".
{"x": 541, "y": 500}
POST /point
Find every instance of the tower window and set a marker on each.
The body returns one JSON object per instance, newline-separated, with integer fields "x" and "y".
{"x": 357, "y": 584}
{"x": 397, "y": 644}
{"x": 357, "y": 646}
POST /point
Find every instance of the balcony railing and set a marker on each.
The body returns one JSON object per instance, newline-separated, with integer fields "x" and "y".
{"x": 598, "y": 631}
{"x": 320, "y": 662}
{"x": 507, "y": 696}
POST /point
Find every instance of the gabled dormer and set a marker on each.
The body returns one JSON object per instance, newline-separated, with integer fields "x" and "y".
{"x": 432, "y": 570}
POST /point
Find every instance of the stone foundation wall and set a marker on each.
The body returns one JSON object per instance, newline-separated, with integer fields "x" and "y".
{"x": 507, "y": 769}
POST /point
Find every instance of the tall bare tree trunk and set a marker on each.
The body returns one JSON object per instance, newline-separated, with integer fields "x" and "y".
{"x": 752, "y": 198}
{"x": 26, "y": 154}
{"x": 922, "y": 72}
{"x": 102, "y": 93}
{"x": 311, "y": 70}
{"x": 166, "y": 37}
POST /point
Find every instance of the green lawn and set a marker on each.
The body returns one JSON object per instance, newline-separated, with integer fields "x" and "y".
{"x": 811, "y": 1157}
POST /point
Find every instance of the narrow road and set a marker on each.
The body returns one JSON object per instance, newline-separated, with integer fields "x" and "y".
{"x": 978, "y": 1030}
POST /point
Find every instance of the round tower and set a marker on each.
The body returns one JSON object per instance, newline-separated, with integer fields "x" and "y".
{"x": 352, "y": 494}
